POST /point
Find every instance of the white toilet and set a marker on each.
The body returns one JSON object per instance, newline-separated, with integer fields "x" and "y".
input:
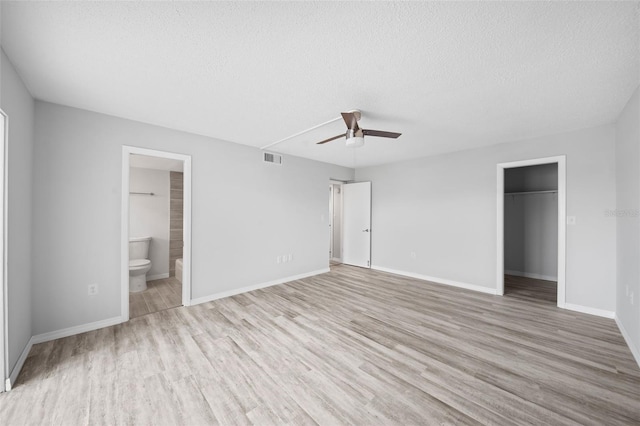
{"x": 139, "y": 264}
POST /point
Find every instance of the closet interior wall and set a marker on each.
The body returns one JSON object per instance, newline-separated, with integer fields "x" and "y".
{"x": 531, "y": 222}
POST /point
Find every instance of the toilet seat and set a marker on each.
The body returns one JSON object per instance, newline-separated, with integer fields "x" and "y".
{"x": 139, "y": 263}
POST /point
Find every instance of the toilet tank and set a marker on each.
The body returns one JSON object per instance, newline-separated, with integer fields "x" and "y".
{"x": 139, "y": 248}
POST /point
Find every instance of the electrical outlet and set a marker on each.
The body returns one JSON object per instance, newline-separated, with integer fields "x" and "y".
{"x": 92, "y": 289}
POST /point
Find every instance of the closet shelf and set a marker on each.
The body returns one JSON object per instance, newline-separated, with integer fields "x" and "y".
{"x": 551, "y": 191}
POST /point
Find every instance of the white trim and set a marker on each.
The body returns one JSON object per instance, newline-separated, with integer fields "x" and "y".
{"x": 331, "y": 207}
{"x": 4, "y": 303}
{"x": 530, "y": 275}
{"x": 331, "y": 214}
{"x": 561, "y": 160}
{"x": 157, "y": 276}
{"x": 124, "y": 225}
{"x": 249, "y": 288}
{"x": 589, "y": 310}
{"x": 19, "y": 364}
{"x": 124, "y": 236}
{"x": 77, "y": 329}
{"x": 186, "y": 232}
{"x": 634, "y": 350}
{"x": 444, "y": 281}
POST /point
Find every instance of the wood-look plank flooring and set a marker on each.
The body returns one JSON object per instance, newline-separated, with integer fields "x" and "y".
{"x": 351, "y": 346}
{"x": 531, "y": 289}
{"x": 160, "y": 294}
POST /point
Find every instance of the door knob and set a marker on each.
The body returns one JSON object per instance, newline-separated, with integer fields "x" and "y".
{"x": 365, "y": 230}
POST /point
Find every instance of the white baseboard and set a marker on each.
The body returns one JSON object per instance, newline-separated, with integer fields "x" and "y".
{"x": 467, "y": 286}
{"x": 531, "y": 275}
{"x": 336, "y": 259}
{"x": 157, "y": 277}
{"x": 634, "y": 349}
{"x": 589, "y": 310}
{"x": 66, "y": 332}
{"x": 18, "y": 367}
{"x": 256, "y": 287}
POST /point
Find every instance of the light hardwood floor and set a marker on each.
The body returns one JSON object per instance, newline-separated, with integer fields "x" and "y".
{"x": 159, "y": 295}
{"x": 352, "y": 346}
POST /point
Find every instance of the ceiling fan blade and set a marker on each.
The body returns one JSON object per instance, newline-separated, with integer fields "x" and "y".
{"x": 381, "y": 134}
{"x": 331, "y": 139}
{"x": 351, "y": 120}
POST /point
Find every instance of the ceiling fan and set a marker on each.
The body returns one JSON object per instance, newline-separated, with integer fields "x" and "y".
{"x": 355, "y": 135}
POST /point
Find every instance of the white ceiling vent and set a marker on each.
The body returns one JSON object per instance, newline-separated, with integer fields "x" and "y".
{"x": 268, "y": 157}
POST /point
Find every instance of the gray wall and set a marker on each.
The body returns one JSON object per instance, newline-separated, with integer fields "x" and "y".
{"x": 176, "y": 219}
{"x": 531, "y": 235}
{"x": 149, "y": 215}
{"x": 542, "y": 177}
{"x": 245, "y": 213}
{"x": 628, "y": 222}
{"x": 443, "y": 208}
{"x": 17, "y": 103}
{"x": 531, "y": 222}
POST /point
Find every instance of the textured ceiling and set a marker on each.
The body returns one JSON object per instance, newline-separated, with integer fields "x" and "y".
{"x": 448, "y": 75}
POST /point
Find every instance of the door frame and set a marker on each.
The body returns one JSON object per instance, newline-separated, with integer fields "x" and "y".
{"x": 4, "y": 304}
{"x": 561, "y": 161}
{"x": 331, "y": 210}
{"x": 124, "y": 235}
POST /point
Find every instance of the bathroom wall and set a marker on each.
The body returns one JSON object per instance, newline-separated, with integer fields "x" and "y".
{"x": 18, "y": 105}
{"x": 149, "y": 216}
{"x": 175, "y": 220}
{"x": 244, "y": 213}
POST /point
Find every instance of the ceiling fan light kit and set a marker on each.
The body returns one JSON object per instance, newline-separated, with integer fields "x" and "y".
{"x": 355, "y": 141}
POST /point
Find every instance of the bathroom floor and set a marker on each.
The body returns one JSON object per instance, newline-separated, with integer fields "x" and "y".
{"x": 159, "y": 295}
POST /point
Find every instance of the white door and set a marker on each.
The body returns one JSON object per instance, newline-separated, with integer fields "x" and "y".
{"x": 356, "y": 224}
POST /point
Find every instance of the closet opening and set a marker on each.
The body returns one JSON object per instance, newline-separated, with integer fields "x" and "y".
{"x": 531, "y": 230}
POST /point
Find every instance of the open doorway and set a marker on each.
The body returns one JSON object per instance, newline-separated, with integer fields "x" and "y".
{"x": 531, "y": 232}
{"x": 531, "y": 229}
{"x": 335, "y": 223}
{"x": 156, "y": 231}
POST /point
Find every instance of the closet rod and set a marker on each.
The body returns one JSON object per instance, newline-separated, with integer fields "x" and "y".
{"x": 141, "y": 193}
{"x": 552, "y": 191}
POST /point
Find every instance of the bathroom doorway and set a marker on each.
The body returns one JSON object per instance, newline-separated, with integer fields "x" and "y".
{"x": 156, "y": 231}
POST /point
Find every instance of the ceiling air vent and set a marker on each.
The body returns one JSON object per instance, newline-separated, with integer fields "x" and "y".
{"x": 268, "y": 157}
